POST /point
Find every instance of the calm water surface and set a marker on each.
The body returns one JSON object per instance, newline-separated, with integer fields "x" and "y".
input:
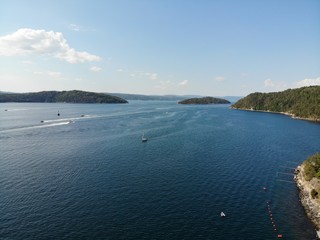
{"x": 91, "y": 177}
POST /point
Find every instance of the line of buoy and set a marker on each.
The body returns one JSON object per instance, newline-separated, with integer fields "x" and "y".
{"x": 272, "y": 219}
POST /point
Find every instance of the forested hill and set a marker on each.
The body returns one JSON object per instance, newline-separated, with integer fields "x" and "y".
{"x": 301, "y": 102}
{"x": 204, "y": 100}
{"x": 74, "y": 96}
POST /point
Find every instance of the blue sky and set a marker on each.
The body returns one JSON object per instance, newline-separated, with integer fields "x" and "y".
{"x": 215, "y": 48}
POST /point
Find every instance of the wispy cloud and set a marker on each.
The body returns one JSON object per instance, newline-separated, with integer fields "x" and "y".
{"x": 163, "y": 85}
{"x": 275, "y": 85}
{"x": 95, "y": 69}
{"x": 219, "y": 78}
{"x": 153, "y": 76}
{"x": 244, "y": 74}
{"x": 120, "y": 70}
{"x": 308, "y": 82}
{"x": 142, "y": 74}
{"x": 52, "y": 74}
{"x": 26, "y": 41}
{"x": 269, "y": 83}
{"x": 183, "y": 83}
{"x": 74, "y": 27}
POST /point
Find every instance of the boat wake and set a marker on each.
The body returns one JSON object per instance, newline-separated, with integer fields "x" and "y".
{"x": 36, "y": 126}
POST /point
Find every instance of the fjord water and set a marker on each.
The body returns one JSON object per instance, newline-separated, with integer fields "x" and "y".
{"x": 91, "y": 177}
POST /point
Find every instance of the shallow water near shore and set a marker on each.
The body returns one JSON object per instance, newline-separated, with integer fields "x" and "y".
{"x": 87, "y": 175}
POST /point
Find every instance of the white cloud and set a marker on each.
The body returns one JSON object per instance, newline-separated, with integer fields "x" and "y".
{"x": 120, "y": 70}
{"x": 183, "y": 83}
{"x": 243, "y": 75}
{"x": 55, "y": 74}
{"x": 219, "y": 78}
{"x": 163, "y": 85}
{"x": 275, "y": 85}
{"x": 153, "y": 76}
{"x": 308, "y": 82}
{"x": 28, "y": 41}
{"x": 142, "y": 74}
{"x": 269, "y": 83}
{"x": 74, "y": 27}
{"x": 95, "y": 69}
{"x": 52, "y": 74}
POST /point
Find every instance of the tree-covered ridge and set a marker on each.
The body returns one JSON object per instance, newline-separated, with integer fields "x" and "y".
{"x": 74, "y": 96}
{"x": 204, "y": 100}
{"x": 301, "y": 102}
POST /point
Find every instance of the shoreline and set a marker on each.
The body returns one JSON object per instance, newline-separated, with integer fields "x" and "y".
{"x": 317, "y": 120}
{"x": 311, "y": 206}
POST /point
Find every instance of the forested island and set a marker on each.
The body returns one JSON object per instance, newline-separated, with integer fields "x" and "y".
{"x": 300, "y": 103}
{"x": 74, "y": 96}
{"x": 308, "y": 180}
{"x": 204, "y": 100}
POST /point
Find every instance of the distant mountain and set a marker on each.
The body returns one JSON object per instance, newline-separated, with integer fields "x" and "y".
{"x": 128, "y": 96}
{"x": 204, "y": 100}
{"x": 4, "y": 92}
{"x": 300, "y": 102}
{"x": 74, "y": 96}
{"x": 232, "y": 99}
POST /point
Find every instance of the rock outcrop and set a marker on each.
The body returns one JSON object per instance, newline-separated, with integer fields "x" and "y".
{"x": 309, "y": 195}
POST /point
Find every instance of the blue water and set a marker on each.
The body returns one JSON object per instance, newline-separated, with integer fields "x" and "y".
{"x": 91, "y": 177}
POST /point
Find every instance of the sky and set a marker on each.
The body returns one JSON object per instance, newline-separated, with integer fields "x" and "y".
{"x": 181, "y": 47}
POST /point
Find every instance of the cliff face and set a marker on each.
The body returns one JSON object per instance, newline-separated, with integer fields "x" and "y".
{"x": 309, "y": 199}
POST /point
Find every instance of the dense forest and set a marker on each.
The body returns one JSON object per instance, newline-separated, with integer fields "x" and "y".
{"x": 311, "y": 169}
{"x": 204, "y": 100}
{"x": 301, "y": 102}
{"x": 74, "y": 96}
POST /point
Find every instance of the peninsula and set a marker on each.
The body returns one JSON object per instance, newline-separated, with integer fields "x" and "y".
{"x": 307, "y": 177}
{"x": 303, "y": 103}
{"x": 74, "y": 96}
{"x": 204, "y": 100}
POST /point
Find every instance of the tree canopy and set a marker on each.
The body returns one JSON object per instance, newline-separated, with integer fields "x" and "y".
{"x": 301, "y": 102}
{"x": 204, "y": 100}
{"x": 74, "y": 96}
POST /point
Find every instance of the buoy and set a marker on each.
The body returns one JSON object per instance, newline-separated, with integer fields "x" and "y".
{"x": 265, "y": 189}
{"x": 279, "y": 235}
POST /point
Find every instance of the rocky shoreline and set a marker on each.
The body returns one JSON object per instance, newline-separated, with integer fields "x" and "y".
{"x": 283, "y": 113}
{"x": 311, "y": 205}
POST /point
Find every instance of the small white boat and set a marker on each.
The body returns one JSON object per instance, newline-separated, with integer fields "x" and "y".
{"x": 222, "y": 214}
{"x": 144, "y": 138}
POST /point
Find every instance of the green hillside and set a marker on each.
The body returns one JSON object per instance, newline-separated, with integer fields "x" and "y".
{"x": 74, "y": 96}
{"x": 204, "y": 100}
{"x": 301, "y": 102}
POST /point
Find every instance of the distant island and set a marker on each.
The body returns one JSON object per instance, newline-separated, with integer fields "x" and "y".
{"x": 307, "y": 177}
{"x": 142, "y": 97}
{"x": 74, "y": 96}
{"x": 204, "y": 100}
{"x": 301, "y": 103}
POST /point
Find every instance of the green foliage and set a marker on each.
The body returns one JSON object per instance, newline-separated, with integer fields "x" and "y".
{"x": 74, "y": 96}
{"x": 312, "y": 167}
{"x": 314, "y": 194}
{"x": 302, "y": 102}
{"x": 204, "y": 100}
